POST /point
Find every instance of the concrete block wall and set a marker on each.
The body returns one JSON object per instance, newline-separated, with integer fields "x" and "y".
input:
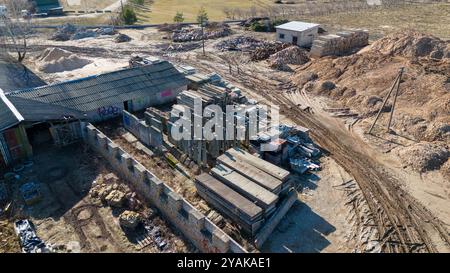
{"x": 146, "y": 133}
{"x": 206, "y": 236}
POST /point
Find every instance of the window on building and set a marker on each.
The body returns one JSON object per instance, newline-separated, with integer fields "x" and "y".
{"x": 281, "y": 35}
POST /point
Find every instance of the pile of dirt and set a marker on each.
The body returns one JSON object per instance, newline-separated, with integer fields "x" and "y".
{"x": 412, "y": 44}
{"x": 361, "y": 81}
{"x": 292, "y": 55}
{"x": 195, "y": 34}
{"x": 54, "y": 60}
{"x": 425, "y": 156}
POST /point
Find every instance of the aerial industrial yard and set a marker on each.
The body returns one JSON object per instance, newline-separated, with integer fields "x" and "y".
{"x": 260, "y": 127}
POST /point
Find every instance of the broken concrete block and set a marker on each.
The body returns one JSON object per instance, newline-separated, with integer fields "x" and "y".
{"x": 115, "y": 198}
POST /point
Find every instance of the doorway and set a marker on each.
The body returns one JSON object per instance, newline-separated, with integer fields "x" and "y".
{"x": 294, "y": 40}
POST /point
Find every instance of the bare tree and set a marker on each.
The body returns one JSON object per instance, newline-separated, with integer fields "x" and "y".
{"x": 15, "y": 27}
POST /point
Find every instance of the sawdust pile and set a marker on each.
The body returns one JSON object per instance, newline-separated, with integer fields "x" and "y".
{"x": 425, "y": 156}
{"x": 292, "y": 55}
{"x": 361, "y": 82}
{"x": 54, "y": 60}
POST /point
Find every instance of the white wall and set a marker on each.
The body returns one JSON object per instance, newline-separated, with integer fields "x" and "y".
{"x": 305, "y": 38}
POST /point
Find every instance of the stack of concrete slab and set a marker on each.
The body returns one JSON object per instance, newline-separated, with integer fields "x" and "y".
{"x": 253, "y": 179}
{"x": 340, "y": 43}
{"x": 232, "y": 204}
{"x": 246, "y": 187}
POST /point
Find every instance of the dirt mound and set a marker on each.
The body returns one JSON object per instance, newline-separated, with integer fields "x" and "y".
{"x": 54, "y": 60}
{"x": 412, "y": 44}
{"x": 363, "y": 80}
{"x": 425, "y": 156}
{"x": 292, "y": 55}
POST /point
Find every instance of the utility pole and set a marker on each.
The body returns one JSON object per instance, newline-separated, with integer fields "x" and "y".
{"x": 396, "y": 84}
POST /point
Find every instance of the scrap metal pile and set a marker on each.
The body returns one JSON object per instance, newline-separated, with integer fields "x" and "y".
{"x": 293, "y": 148}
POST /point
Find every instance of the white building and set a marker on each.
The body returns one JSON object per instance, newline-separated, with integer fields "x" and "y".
{"x": 297, "y": 33}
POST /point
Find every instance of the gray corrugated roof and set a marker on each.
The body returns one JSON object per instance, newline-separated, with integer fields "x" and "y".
{"x": 297, "y": 26}
{"x": 90, "y": 93}
{"x": 34, "y": 111}
{"x": 9, "y": 116}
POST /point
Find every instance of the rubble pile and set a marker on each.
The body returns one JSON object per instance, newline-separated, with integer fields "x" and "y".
{"x": 340, "y": 43}
{"x": 183, "y": 47}
{"x": 110, "y": 191}
{"x": 195, "y": 34}
{"x": 130, "y": 219}
{"x": 240, "y": 43}
{"x": 122, "y": 38}
{"x": 69, "y": 31}
{"x": 54, "y": 60}
{"x": 64, "y": 32}
{"x": 292, "y": 55}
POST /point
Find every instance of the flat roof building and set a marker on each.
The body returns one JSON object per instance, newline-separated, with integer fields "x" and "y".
{"x": 297, "y": 33}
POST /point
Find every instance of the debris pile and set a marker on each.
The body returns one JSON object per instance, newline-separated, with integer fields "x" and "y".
{"x": 292, "y": 55}
{"x": 267, "y": 49}
{"x": 69, "y": 31}
{"x": 130, "y": 219}
{"x": 340, "y": 43}
{"x": 425, "y": 156}
{"x": 29, "y": 241}
{"x": 64, "y": 32}
{"x": 195, "y": 34}
{"x": 54, "y": 60}
{"x": 183, "y": 47}
{"x": 240, "y": 43}
{"x": 122, "y": 38}
{"x": 115, "y": 194}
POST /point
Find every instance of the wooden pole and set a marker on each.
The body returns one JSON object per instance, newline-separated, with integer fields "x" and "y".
{"x": 384, "y": 103}
{"x": 395, "y": 98}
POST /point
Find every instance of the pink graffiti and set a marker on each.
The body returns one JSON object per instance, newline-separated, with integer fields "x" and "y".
{"x": 166, "y": 93}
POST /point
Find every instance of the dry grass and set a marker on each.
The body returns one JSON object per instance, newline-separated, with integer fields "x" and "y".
{"x": 428, "y": 18}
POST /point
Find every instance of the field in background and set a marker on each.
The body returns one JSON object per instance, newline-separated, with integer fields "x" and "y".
{"x": 428, "y": 18}
{"x": 163, "y": 11}
{"x": 86, "y": 4}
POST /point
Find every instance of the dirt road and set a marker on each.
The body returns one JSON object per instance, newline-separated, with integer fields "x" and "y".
{"x": 403, "y": 224}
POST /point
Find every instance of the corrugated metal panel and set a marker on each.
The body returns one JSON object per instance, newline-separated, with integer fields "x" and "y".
{"x": 9, "y": 116}
{"x": 108, "y": 89}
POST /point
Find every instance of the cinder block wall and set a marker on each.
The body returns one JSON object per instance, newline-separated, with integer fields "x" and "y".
{"x": 194, "y": 225}
{"x": 148, "y": 135}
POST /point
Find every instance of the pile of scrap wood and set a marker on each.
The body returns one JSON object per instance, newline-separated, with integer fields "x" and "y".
{"x": 293, "y": 55}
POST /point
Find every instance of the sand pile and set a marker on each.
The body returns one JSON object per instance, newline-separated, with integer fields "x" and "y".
{"x": 361, "y": 82}
{"x": 292, "y": 55}
{"x": 54, "y": 60}
{"x": 425, "y": 156}
{"x": 412, "y": 44}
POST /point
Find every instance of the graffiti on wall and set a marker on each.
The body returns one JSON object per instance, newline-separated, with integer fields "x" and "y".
{"x": 109, "y": 111}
